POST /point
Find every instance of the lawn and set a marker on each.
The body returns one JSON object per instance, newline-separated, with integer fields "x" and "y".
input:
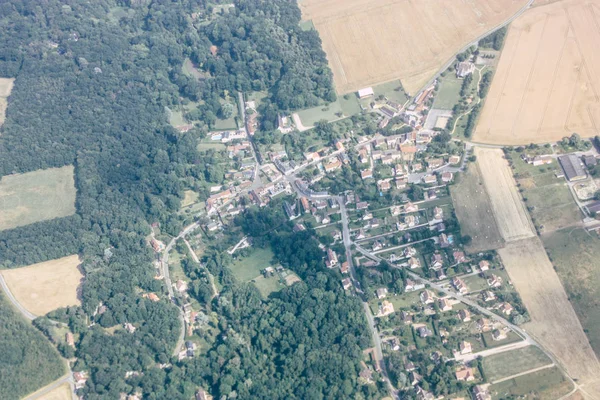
{"x": 574, "y": 254}
{"x": 328, "y": 112}
{"x": 266, "y": 286}
{"x": 36, "y": 196}
{"x": 545, "y": 384}
{"x": 392, "y": 91}
{"x": 247, "y": 268}
{"x": 553, "y": 207}
{"x": 209, "y": 144}
{"x": 502, "y": 365}
{"x": 400, "y": 302}
{"x": 448, "y": 93}
{"x": 307, "y": 25}
{"x": 190, "y": 197}
{"x": 490, "y": 343}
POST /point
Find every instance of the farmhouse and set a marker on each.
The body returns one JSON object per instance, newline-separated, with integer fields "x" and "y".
{"x": 427, "y": 297}
{"x": 573, "y": 167}
{"x": 464, "y": 315}
{"x": 464, "y": 68}
{"x": 386, "y": 308}
{"x": 366, "y": 92}
{"x": 465, "y": 374}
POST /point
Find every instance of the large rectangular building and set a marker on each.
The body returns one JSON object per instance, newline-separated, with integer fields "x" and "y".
{"x": 573, "y": 167}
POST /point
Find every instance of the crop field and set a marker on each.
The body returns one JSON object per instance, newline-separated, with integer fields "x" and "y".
{"x": 474, "y": 212}
{"x": 547, "y": 83}
{"x": 574, "y": 253}
{"x": 374, "y": 41}
{"x": 36, "y": 196}
{"x": 509, "y": 363}
{"x": 507, "y": 205}
{"x": 553, "y": 321}
{"x": 46, "y": 286}
{"x": 6, "y": 85}
{"x": 546, "y": 384}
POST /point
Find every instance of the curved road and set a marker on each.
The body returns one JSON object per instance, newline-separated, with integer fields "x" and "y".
{"x": 14, "y": 301}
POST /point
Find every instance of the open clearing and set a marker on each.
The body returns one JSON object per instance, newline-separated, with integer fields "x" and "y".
{"x": 474, "y": 212}
{"x": 574, "y": 253}
{"x": 514, "y": 362}
{"x": 547, "y": 384}
{"x": 548, "y": 77}
{"x": 62, "y": 392}
{"x": 507, "y": 205}
{"x": 6, "y": 85}
{"x": 373, "y": 41}
{"x": 36, "y": 196}
{"x": 553, "y": 320}
{"x": 46, "y": 286}
{"x": 247, "y": 268}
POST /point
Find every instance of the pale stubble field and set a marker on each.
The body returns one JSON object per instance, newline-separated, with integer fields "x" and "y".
{"x": 374, "y": 41}
{"x": 547, "y": 83}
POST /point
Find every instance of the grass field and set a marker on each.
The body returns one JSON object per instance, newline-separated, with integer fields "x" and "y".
{"x": 190, "y": 198}
{"x": 62, "y": 392}
{"x": 553, "y": 321}
{"x": 6, "y": 85}
{"x": 547, "y": 83}
{"x": 266, "y": 286}
{"x": 46, "y": 286}
{"x": 474, "y": 211}
{"x": 574, "y": 254}
{"x": 36, "y": 196}
{"x": 372, "y": 41}
{"x": 509, "y": 363}
{"x": 448, "y": 92}
{"x": 28, "y": 361}
{"x": 328, "y": 112}
{"x": 546, "y": 384}
{"x": 507, "y": 205}
{"x": 248, "y": 268}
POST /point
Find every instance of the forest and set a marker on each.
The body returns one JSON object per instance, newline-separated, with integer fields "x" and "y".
{"x": 93, "y": 81}
{"x": 27, "y": 360}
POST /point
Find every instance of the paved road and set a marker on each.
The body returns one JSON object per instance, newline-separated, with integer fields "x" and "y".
{"x": 370, "y": 319}
{"x": 210, "y": 276}
{"x": 14, "y": 301}
{"x": 451, "y": 294}
{"x": 169, "y": 284}
{"x": 489, "y": 352}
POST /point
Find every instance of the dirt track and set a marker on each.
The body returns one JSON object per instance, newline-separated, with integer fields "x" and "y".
{"x": 547, "y": 83}
{"x": 375, "y": 41}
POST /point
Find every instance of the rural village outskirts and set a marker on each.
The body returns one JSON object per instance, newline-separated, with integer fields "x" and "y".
{"x": 315, "y": 199}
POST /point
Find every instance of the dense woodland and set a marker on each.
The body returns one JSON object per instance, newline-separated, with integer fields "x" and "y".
{"x": 27, "y": 360}
{"x": 93, "y": 81}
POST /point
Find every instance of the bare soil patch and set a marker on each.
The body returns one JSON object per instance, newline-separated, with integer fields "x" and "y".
{"x": 474, "y": 211}
{"x": 46, "y": 286}
{"x": 36, "y": 196}
{"x": 547, "y": 83}
{"x": 374, "y": 41}
{"x": 6, "y": 85}
{"x": 553, "y": 320}
{"x": 507, "y": 205}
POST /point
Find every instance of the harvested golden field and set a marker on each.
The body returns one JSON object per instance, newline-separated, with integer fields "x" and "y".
{"x": 374, "y": 41}
{"x": 547, "y": 83}
{"x": 507, "y": 205}
{"x": 553, "y": 321}
{"x": 46, "y": 286}
{"x": 36, "y": 196}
